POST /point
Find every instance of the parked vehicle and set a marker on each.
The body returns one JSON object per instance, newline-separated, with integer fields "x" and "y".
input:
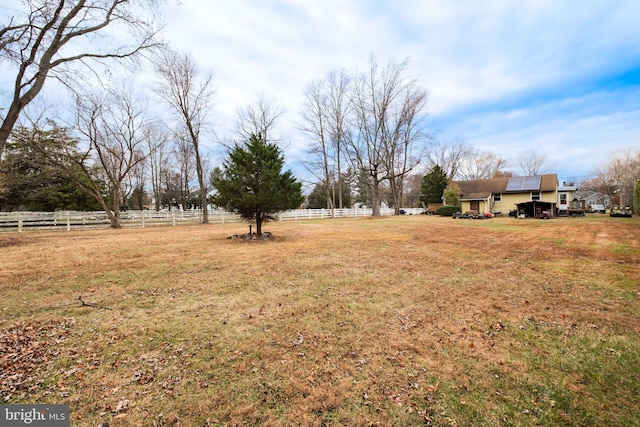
{"x": 620, "y": 211}
{"x": 597, "y": 209}
{"x": 431, "y": 208}
{"x": 472, "y": 215}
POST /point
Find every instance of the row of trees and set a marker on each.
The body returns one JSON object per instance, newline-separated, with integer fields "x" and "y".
{"x": 367, "y": 131}
{"x": 619, "y": 178}
{"x": 111, "y": 148}
{"x": 366, "y": 128}
{"x": 49, "y": 169}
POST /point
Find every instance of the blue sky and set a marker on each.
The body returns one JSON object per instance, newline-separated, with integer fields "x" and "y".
{"x": 561, "y": 78}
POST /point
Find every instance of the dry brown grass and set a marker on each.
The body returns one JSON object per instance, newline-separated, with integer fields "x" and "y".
{"x": 394, "y": 321}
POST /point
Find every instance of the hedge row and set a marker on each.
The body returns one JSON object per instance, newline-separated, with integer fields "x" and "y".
{"x": 448, "y": 210}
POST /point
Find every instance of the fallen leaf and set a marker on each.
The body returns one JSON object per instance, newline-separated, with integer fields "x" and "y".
{"x": 122, "y": 405}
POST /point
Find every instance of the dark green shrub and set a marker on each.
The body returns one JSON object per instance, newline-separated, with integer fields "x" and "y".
{"x": 448, "y": 210}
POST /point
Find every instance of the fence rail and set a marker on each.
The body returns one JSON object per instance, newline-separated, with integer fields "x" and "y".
{"x": 74, "y": 220}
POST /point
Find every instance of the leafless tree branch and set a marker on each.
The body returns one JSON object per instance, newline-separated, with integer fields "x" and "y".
{"x": 49, "y": 35}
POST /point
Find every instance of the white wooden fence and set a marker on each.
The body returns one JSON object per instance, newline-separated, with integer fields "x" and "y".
{"x": 73, "y": 220}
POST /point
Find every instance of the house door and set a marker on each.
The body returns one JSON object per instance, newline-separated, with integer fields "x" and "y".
{"x": 475, "y": 205}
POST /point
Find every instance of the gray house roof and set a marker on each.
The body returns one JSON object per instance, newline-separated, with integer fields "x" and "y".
{"x": 592, "y": 197}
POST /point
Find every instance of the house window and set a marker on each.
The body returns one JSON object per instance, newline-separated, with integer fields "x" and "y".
{"x": 535, "y": 196}
{"x": 563, "y": 199}
{"x": 497, "y": 197}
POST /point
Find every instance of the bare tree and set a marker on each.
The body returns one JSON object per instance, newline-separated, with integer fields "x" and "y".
{"x": 533, "y": 163}
{"x": 480, "y": 165}
{"x": 315, "y": 125}
{"x": 325, "y": 116}
{"x": 184, "y": 159}
{"x": 605, "y": 180}
{"x": 449, "y": 156}
{"x": 133, "y": 193}
{"x": 388, "y": 109}
{"x": 190, "y": 95}
{"x": 403, "y": 140}
{"x": 157, "y": 146}
{"x": 413, "y": 187}
{"x": 338, "y": 109}
{"x": 366, "y": 147}
{"x": 47, "y": 38}
{"x": 112, "y": 124}
{"x": 259, "y": 119}
{"x": 618, "y": 177}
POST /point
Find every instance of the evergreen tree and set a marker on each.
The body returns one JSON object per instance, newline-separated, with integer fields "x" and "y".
{"x": 30, "y": 181}
{"x": 252, "y": 183}
{"x": 433, "y": 185}
{"x": 318, "y": 197}
{"x": 452, "y": 195}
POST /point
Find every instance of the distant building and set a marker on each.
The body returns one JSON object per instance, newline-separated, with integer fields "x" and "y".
{"x": 591, "y": 198}
{"x": 533, "y": 196}
{"x": 568, "y": 203}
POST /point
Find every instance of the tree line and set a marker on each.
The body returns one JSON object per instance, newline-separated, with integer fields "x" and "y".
{"x": 112, "y": 148}
{"x": 366, "y": 129}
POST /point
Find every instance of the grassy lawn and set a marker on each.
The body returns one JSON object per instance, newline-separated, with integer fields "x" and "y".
{"x": 409, "y": 320}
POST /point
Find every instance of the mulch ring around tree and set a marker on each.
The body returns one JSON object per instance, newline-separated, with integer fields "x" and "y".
{"x": 253, "y": 237}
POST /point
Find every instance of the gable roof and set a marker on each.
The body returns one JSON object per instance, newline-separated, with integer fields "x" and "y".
{"x": 482, "y": 188}
{"x": 588, "y": 194}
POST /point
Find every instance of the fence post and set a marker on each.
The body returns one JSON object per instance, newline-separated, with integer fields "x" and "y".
{"x": 19, "y": 222}
{"x": 142, "y": 219}
{"x": 174, "y": 218}
{"x": 68, "y": 222}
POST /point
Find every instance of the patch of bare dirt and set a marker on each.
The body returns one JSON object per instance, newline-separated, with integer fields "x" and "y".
{"x": 11, "y": 241}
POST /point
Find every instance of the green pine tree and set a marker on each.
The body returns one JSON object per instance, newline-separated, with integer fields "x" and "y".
{"x": 30, "y": 180}
{"x": 253, "y": 185}
{"x": 433, "y": 185}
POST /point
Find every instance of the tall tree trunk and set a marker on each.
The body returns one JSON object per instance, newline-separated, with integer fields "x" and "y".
{"x": 20, "y": 101}
{"x": 340, "y": 206}
{"x": 396, "y": 199}
{"x": 7, "y": 126}
{"x": 203, "y": 188}
{"x": 115, "y": 217}
{"x": 375, "y": 199}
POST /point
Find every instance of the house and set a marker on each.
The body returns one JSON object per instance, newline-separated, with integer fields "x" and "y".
{"x": 568, "y": 202}
{"x": 533, "y": 196}
{"x": 591, "y": 198}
